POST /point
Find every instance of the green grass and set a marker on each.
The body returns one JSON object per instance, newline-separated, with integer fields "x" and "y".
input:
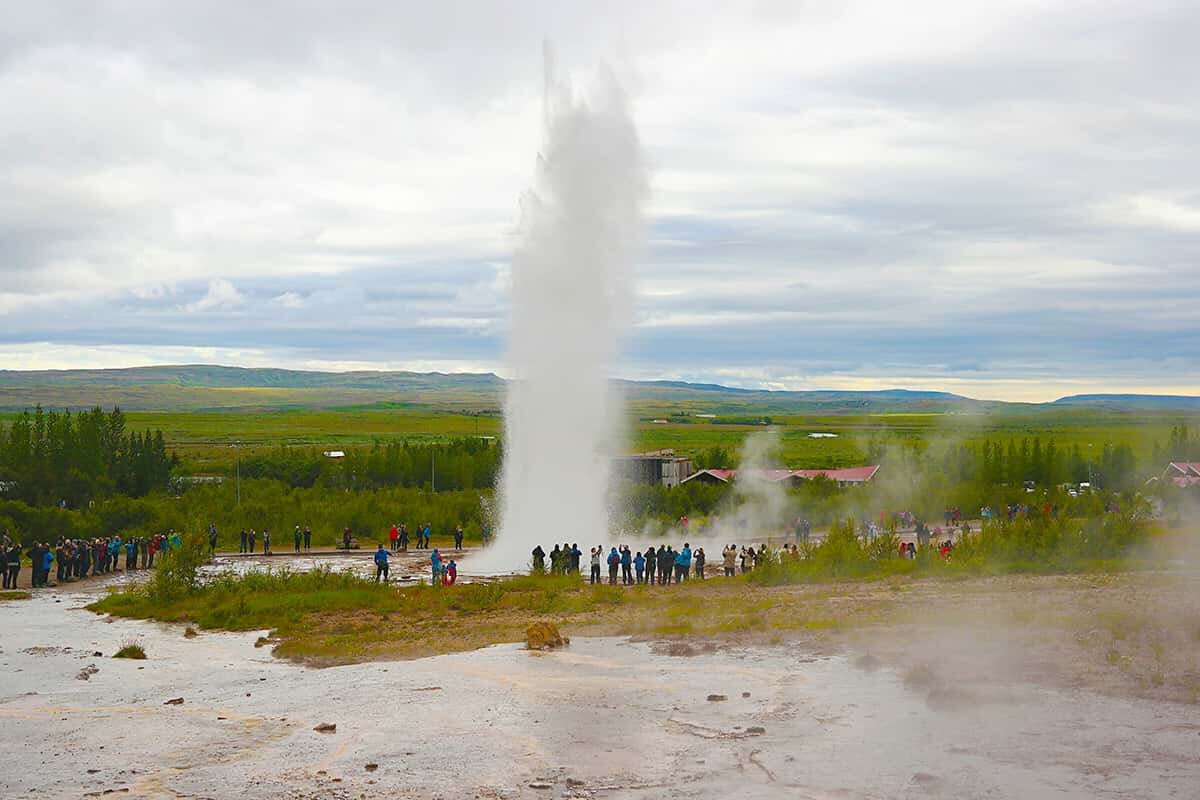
{"x": 203, "y": 438}
{"x": 133, "y": 650}
{"x": 331, "y": 617}
{"x": 15, "y": 595}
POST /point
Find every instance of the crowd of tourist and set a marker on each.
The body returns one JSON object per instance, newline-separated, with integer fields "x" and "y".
{"x": 76, "y": 559}
{"x": 398, "y": 537}
{"x": 654, "y": 566}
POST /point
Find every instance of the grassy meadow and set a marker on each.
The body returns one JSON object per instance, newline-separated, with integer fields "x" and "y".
{"x": 204, "y": 440}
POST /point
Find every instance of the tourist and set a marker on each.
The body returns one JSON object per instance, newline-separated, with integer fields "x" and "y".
{"x": 435, "y": 563}
{"x": 576, "y": 555}
{"x": 394, "y": 537}
{"x": 555, "y": 561}
{"x": 297, "y": 537}
{"x": 539, "y": 556}
{"x": 626, "y": 566}
{"x": 47, "y": 563}
{"x": 666, "y": 563}
{"x": 729, "y": 560}
{"x": 428, "y": 533}
{"x": 266, "y": 542}
{"x": 451, "y": 572}
{"x": 685, "y": 562}
{"x": 614, "y": 563}
{"x": 381, "y": 564}
{"x": 12, "y": 567}
{"x": 254, "y": 541}
{"x": 345, "y": 539}
{"x": 651, "y": 564}
{"x": 242, "y": 547}
{"x": 639, "y": 565}
{"x": 404, "y": 537}
{"x": 458, "y": 537}
{"x": 212, "y": 538}
{"x": 130, "y": 554}
{"x": 596, "y": 553}
{"x": 307, "y": 538}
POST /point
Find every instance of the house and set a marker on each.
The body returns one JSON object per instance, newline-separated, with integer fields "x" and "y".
{"x": 656, "y": 467}
{"x": 1183, "y": 473}
{"x": 850, "y": 476}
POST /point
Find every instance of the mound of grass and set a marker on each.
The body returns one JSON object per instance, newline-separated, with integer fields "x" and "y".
{"x": 131, "y": 649}
{"x": 15, "y": 595}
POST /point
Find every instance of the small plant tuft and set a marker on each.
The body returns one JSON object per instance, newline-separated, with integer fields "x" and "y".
{"x": 131, "y": 649}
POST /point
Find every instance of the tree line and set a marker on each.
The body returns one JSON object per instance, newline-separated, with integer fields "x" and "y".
{"x": 1182, "y": 445}
{"x": 1032, "y": 461}
{"x": 60, "y": 458}
{"x": 455, "y": 465}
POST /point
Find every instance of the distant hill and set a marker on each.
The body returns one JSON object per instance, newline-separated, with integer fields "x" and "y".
{"x": 243, "y": 377}
{"x": 202, "y": 387}
{"x": 1155, "y": 402}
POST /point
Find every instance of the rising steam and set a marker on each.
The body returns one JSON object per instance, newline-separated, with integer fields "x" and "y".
{"x": 581, "y": 226}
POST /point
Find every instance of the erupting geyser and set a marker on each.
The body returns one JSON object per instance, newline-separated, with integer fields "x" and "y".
{"x": 581, "y": 226}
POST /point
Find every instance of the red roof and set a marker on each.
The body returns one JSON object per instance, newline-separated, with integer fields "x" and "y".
{"x": 847, "y": 475}
{"x": 1183, "y": 473}
{"x": 852, "y": 474}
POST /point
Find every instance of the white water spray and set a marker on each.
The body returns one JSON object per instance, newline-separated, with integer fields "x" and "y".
{"x": 581, "y": 227}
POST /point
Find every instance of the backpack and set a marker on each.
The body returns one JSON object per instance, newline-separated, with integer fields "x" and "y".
{"x": 613, "y": 559}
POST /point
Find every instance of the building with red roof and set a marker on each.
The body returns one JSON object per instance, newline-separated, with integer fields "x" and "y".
{"x": 850, "y": 476}
{"x": 1183, "y": 473}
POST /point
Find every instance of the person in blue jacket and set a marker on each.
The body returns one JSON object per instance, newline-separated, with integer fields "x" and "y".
{"x": 626, "y": 564}
{"x": 47, "y": 565}
{"x": 381, "y": 564}
{"x": 435, "y": 562}
{"x": 683, "y": 563}
{"x": 639, "y": 565}
{"x": 130, "y": 554}
{"x": 614, "y": 563}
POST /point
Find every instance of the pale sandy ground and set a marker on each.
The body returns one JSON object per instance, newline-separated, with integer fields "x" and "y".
{"x": 975, "y": 698}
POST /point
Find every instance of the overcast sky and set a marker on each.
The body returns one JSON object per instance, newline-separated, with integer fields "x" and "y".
{"x": 998, "y": 199}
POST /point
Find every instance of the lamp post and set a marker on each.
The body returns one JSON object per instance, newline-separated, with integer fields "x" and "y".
{"x": 238, "y": 481}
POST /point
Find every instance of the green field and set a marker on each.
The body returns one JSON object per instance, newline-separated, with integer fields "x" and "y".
{"x": 204, "y": 410}
{"x": 205, "y": 439}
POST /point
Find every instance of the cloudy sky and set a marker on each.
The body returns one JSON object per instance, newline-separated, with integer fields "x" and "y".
{"x": 999, "y": 199}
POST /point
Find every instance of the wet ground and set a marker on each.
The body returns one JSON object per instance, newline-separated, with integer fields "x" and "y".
{"x": 604, "y": 718}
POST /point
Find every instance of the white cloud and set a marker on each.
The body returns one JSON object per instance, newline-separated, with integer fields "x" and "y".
{"x": 985, "y": 178}
{"x": 222, "y": 296}
{"x": 289, "y": 300}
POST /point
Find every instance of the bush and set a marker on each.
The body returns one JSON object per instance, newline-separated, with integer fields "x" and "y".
{"x": 178, "y": 570}
{"x": 131, "y": 649}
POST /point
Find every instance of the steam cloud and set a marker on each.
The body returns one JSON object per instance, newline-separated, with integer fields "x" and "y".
{"x": 581, "y": 227}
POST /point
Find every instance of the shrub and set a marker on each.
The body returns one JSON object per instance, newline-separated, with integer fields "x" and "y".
{"x": 131, "y": 648}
